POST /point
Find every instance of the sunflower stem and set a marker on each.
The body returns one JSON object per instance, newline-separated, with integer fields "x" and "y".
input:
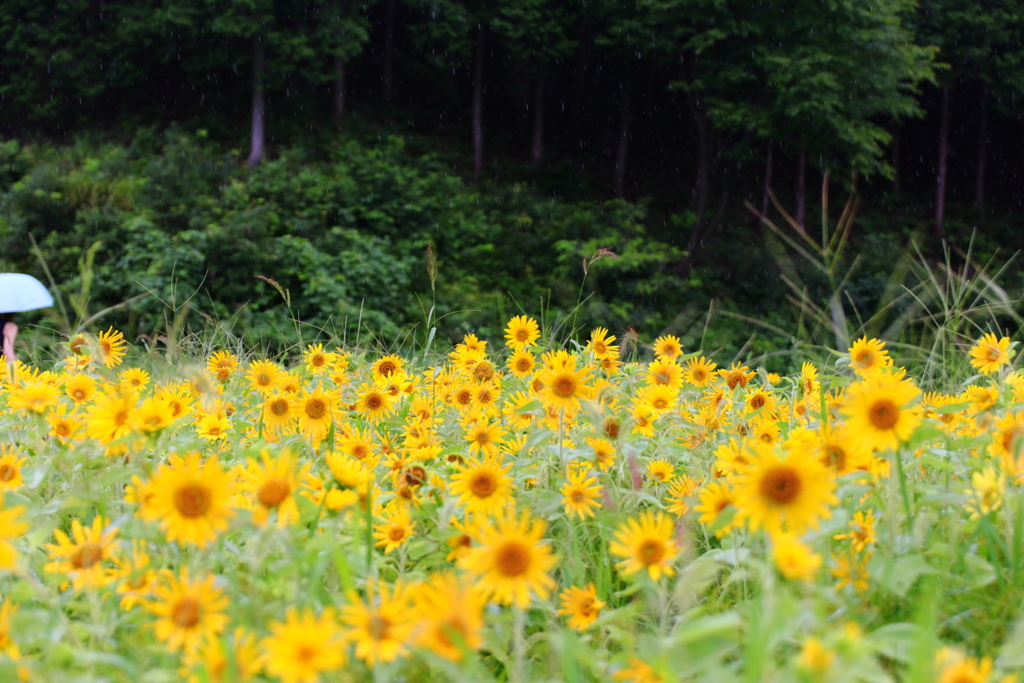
{"x": 518, "y": 644}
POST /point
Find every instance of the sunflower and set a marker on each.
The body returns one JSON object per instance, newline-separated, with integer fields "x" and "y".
{"x": 315, "y": 416}
{"x": 659, "y": 398}
{"x": 564, "y": 386}
{"x": 483, "y": 486}
{"x": 374, "y": 403}
{"x": 646, "y": 545}
{"x": 989, "y": 354}
{"x": 80, "y": 388}
{"x": 665, "y": 372}
{"x": 511, "y": 559}
{"x": 212, "y": 664}
{"x": 317, "y": 360}
{"x": 600, "y": 344}
{"x": 988, "y": 488}
{"x": 449, "y": 611}
{"x": 736, "y": 376}
{"x": 580, "y": 605}
{"x": 580, "y": 493}
{"x": 190, "y": 498}
{"x": 638, "y": 671}
{"x": 880, "y": 412}
{"x": 10, "y": 471}
{"x": 136, "y": 579}
{"x": 84, "y": 556}
{"x": 264, "y": 376}
{"x": 187, "y": 611}
{"x": 213, "y": 427}
{"x": 112, "y": 346}
{"x": 152, "y": 416}
{"x": 955, "y": 668}
{"x": 668, "y": 347}
{"x": 396, "y": 529}
{"x": 809, "y": 383}
{"x": 10, "y": 527}
{"x": 840, "y": 451}
{"x": 273, "y": 483}
{"x": 133, "y": 379}
{"x": 110, "y": 418}
{"x": 484, "y": 436}
{"x": 303, "y": 646}
{"x": 862, "y": 531}
{"x": 521, "y": 332}
{"x": 388, "y": 366}
{"x": 279, "y": 412}
{"x": 7, "y": 645}
{"x": 778, "y": 494}
{"x": 713, "y": 499}
{"x": 358, "y": 445}
{"x": 699, "y": 371}
{"x": 793, "y": 559}
{"x": 815, "y": 658}
{"x": 222, "y": 365}
{"x": 661, "y": 471}
{"x": 868, "y": 355}
{"x": 33, "y": 397}
{"x": 679, "y": 492}
{"x": 852, "y": 571}
{"x": 382, "y": 625}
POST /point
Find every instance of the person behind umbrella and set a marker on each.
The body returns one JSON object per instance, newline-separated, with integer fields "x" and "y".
{"x": 9, "y": 331}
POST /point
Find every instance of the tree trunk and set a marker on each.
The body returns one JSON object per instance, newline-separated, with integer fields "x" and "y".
{"x": 339, "y": 89}
{"x": 801, "y": 186}
{"x": 537, "y": 148}
{"x": 478, "y": 102}
{"x": 621, "y": 155}
{"x": 767, "y": 188}
{"x": 979, "y": 178}
{"x": 389, "y": 49}
{"x": 258, "y": 104}
{"x": 940, "y": 190}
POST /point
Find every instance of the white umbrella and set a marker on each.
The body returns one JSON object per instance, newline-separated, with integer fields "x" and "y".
{"x": 20, "y": 292}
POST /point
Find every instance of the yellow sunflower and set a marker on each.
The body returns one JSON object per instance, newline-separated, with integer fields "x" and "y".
{"x": 273, "y": 483}
{"x": 521, "y": 332}
{"x": 793, "y": 559}
{"x": 647, "y": 545}
{"x": 315, "y": 415}
{"x": 989, "y": 354}
{"x": 264, "y": 376}
{"x": 483, "y": 486}
{"x": 112, "y": 347}
{"x": 521, "y": 363}
{"x": 777, "y": 494}
{"x": 484, "y": 436}
{"x": 80, "y": 388}
{"x": 222, "y": 365}
{"x": 395, "y": 530}
{"x": 10, "y": 471}
{"x": 511, "y": 560}
{"x": 152, "y": 416}
{"x": 279, "y": 411}
{"x": 565, "y": 386}
{"x": 136, "y": 578}
{"x": 303, "y": 646}
{"x": 212, "y": 664}
{"x": 110, "y": 418}
{"x": 668, "y": 347}
{"x": 382, "y": 625}
{"x": 188, "y": 611}
{"x": 190, "y": 498}
{"x": 713, "y": 499}
{"x": 736, "y": 376}
{"x": 862, "y": 531}
{"x": 580, "y": 605}
{"x": 665, "y": 373}
{"x": 600, "y": 344}
{"x": 316, "y": 360}
{"x": 880, "y": 412}
{"x": 374, "y": 403}
{"x": 449, "y": 611}
{"x": 33, "y": 397}
{"x": 868, "y": 355}
{"x": 10, "y": 527}
{"x": 699, "y": 371}
{"x": 83, "y": 556}
{"x": 580, "y": 493}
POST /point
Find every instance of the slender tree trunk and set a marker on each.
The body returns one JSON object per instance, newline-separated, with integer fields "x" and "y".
{"x": 979, "y": 178}
{"x": 767, "y": 188}
{"x": 801, "y": 186}
{"x": 259, "y": 108}
{"x": 389, "y": 50}
{"x": 478, "y": 102}
{"x": 940, "y": 190}
{"x": 339, "y": 89}
{"x": 622, "y": 154}
{"x": 896, "y": 164}
{"x": 537, "y": 148}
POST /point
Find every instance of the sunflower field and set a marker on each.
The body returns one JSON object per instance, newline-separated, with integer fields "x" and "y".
{"x": 520, "y": 513}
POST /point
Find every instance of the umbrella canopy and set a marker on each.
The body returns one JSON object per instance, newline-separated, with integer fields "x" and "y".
{"x": 20, "y": 292}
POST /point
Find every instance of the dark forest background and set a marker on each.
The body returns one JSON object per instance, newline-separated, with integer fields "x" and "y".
{"x": 324, "y": 144}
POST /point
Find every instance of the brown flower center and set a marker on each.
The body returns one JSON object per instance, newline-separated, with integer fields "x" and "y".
{"x": 564, "y": 386}
{"x": 374, "y": 401}
{"x": 87, "y": 555}
{"x": 650, "y": 551}
{"x": 611, "y": 428}
{"x": 483, "y": 484}
{"x": 781, "y": 485}
{"x": 192, "y": 500}
{"x": 396, "y": 533}
{"x": 279, "y": 407}
{"x": 186, "y": 613}
{"x": 513, "y": 559}
{"x": 7, "y": 472}
{"x": 316, "y": 408}
{"x": 273, "y": 493}
{"x": 387, "y": 368}
{"x": 883, "y": 414}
